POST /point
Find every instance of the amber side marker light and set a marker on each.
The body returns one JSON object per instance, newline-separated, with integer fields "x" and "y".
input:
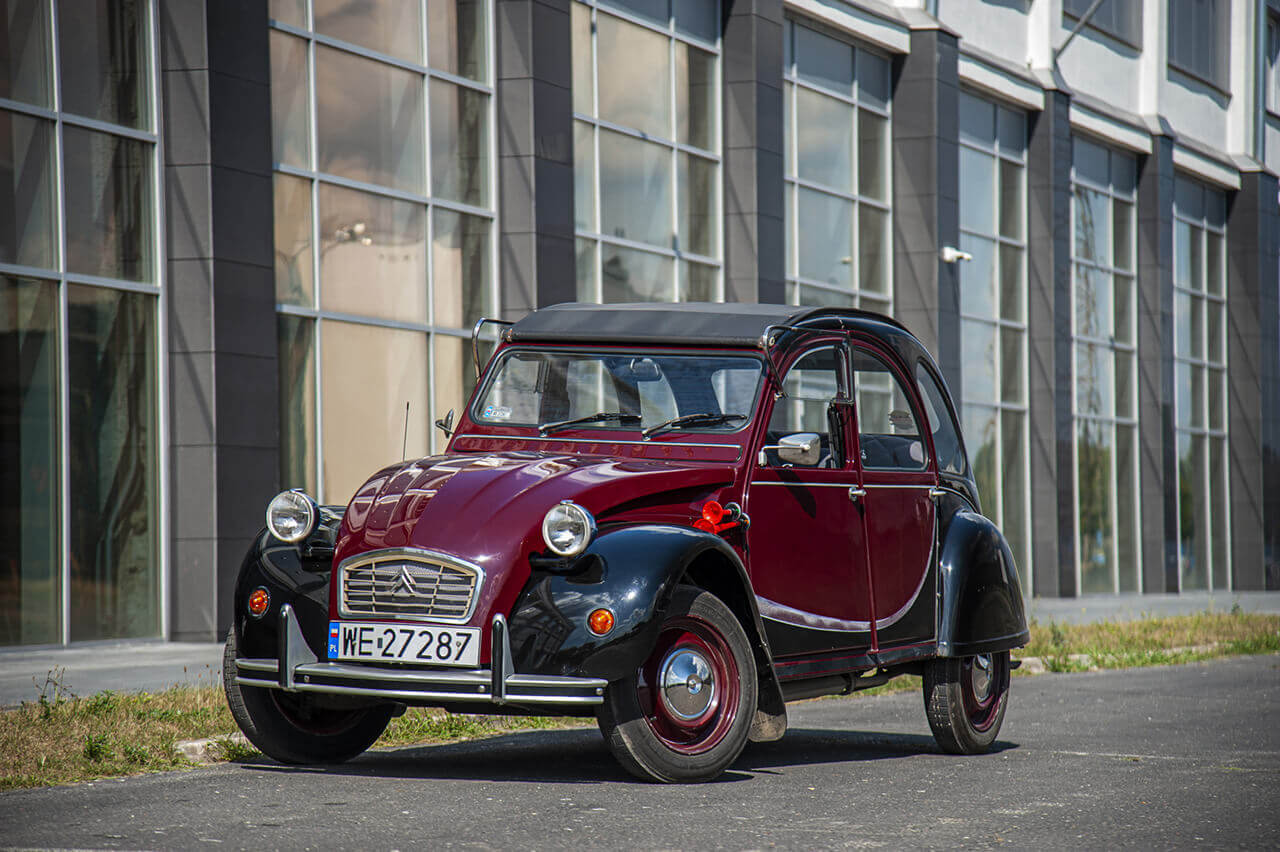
{"x": 600, "y": 621}
{"x": 259, "y": 600}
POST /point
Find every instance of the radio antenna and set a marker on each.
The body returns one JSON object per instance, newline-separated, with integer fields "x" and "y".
{"x": 404, "y": 447}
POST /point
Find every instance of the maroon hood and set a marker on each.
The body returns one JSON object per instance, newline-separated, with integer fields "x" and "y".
{"x": 487, "y": 508}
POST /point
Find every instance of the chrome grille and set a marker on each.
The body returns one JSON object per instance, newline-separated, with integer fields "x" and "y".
{"x": 410, "y": 585}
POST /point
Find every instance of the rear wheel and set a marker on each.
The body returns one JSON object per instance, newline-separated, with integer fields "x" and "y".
{"x": 965, "y": 699}
{"x": 685, "y": 713}
{"x": 299, "y": 728}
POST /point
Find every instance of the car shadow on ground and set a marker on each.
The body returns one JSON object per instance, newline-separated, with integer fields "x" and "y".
{"x": 580, "y": 756}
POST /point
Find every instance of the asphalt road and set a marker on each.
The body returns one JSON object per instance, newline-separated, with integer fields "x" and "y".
{"x": 1185, "y": 756}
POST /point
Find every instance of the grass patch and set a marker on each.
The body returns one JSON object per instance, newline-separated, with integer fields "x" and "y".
{"x": 61, "y": 738}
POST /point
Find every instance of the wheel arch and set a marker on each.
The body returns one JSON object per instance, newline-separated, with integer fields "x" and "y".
{"x": 981, "y": 608}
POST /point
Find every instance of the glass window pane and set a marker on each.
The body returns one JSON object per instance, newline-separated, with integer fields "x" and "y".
{"x": 1213, "y": 262}
{"x": 1124, "y": 172}
{"x": 635, "y": 189}
{"x": 631, "y": 54}
{"x": 1190, "y": 484}
{"x": 454, "y": 378}
{"x": 977, "y": 121}
{"x": 1011, "y": 365}
{"x": 1219, "y": 532}
{"x": 585, "y": 267}
{"x": 367, "y": 375}
{"x": 290, "y": 123}
{"x": 1215, "y": 208}
{"x": 1197, "y": 397}
{"x": 459, "y": 144}
{"x": 980, "y": 358}
{"x": 655, "y": 11}
{"x": 823, "y": 61}
{"x": 105, "y": 72}
{"x": 292, "y": 12}
{"x": 1089, "y": 161}
{"x": 825, "y": 238}
{"x": 980, "y": 425}
{"x": 698, "y": 282}
{"x": 110, "y": 225}
{"x": 1125, "y": 383}
{"x": 28, "y": 225}
{"x": 1013, "y": 286}
{"x": 1013, "y": 511}
{"x": 297, "y": 368}
{"x": 1012, "y": 214}
{"x": 1123, "y": 329}
{"x": 873, "y": 79}
{"x": 821, "y": 297}
{"x": 873, "y": 159}
{"x": 456, "y": 33}
{"x": 25, "y": 67}
{"x": 873, "y": 249}
{"x": 1216, "y": 381}
{"x": 461, "y": 284}
{"x": 1216, "y": 328}
{"x": 1122, "y": 241}
{"x": 1197, "y": 327}
{"x": 1095, "y": 392}
{"x": 1183, "y": 239}
{"x": 114, "y": 516}
{"x": 977, "y": 191}
{"x": 1129, "y": 566}
{"x": 1182, "y": 393}
{"x": 636, "y": 276}
{"x": 1182, "y": 324}
{"x": 1093, "y": 225}
{"x": 393, "y": 27}
{"x": 30, "y": 479}
{"x": 373, "y": 255}
{"x": 294, "y": 278}
{"x": 978, "y": 277}
{"x": 1093, "y": 466}
{"x": 698, "y": 18}
{"x": 583, "y": 72}
{"x": 824, "y": 140}
{"x": 698, "y": 224}
{"x": 1093, "y": 303}
{"x": 368, "y": 120}
{"x": 1011, "y": 127}
{"x": 695, "y": 97}
{"x": 1188, "y": 198}
{"x": 584, "y": 175}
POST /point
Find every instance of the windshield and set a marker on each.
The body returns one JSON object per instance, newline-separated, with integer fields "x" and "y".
{"x": 608, "y": 390}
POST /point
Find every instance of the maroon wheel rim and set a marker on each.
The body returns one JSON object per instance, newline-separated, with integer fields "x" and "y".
{"x": 984, "y": 681}
{"x": 688, "y": 687}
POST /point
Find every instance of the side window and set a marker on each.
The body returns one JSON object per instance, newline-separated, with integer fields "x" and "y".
{"x": 810, "y": 386}
{"x": 946, "y": 438}
{"x": 888, "y": 435}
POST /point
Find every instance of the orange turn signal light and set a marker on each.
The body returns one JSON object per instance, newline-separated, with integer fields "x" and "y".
{"x": 600, "y": 621}
{"x": 259, "y": 600}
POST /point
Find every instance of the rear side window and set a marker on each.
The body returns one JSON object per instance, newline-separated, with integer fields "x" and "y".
{"x": 946, "y": 438}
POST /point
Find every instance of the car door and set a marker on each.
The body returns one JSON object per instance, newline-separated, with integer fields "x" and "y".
{"x": 898, "y": 475}
{"x": 807, "y": 555}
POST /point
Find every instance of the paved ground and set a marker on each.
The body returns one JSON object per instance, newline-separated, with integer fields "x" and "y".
{"x": 150, "y": 665}
{"x": 1178, "y": 757}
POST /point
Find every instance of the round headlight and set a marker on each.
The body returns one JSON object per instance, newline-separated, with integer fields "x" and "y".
{"x": 291, "y": 516}
{"x": 567, "y": 528}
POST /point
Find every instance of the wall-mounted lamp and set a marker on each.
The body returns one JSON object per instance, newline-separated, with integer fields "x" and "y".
{"x": 950, "y": 254}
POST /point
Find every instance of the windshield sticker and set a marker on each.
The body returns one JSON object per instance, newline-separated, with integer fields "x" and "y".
{"x": 497, "y": 412}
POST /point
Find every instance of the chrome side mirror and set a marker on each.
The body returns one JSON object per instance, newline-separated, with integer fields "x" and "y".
{"x": 803, "y": 448}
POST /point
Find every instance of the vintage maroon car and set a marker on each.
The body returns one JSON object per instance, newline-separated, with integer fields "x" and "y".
{"x": 676, "y": 518}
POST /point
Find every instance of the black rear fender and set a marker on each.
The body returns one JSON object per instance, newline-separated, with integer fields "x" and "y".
{"x": 981, "y": 609}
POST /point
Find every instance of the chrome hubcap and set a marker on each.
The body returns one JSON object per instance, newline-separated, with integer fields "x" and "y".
{"x": 687, "y": 685}
{"x": 981, "y": 676}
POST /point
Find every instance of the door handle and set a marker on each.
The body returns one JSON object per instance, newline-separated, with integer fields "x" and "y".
{"x": 935, "y": 493}
{"x": 857, "y": 492}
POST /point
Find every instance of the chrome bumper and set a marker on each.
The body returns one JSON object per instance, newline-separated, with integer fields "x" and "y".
{"x": 299, "y": 670}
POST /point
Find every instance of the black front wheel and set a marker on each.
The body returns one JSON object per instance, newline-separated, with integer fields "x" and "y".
{"x": 965, "y": 699}
{"x": 296, "y": 728}
{"x": 685, "y": 713}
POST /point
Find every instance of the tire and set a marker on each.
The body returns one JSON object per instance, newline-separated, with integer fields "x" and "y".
{"x": 695, "y": 728}
{"x": 294, "y": 728}
{"x": 965, "y": 699}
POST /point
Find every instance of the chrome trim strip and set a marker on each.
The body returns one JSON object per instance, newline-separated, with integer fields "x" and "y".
{"x": 416, "y": 553}
{"x": 887, "y": 486}
{"x": 805, "y": 484}
{"x": 649, "y": 443}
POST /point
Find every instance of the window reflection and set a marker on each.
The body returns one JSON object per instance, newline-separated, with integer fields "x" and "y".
{"x": 25, "y": 40}
{"x": 108, "y": 206}
{"x": 28, "y": 227}
{"x": 293, "y": 261}
{"x": 393, "y": 27}
{"x": 290, "y": 96}
{"x": 104, "y": 66}
{"x": 297, "y": 365}
{"x": 460, "y": 269}
{"x": 635, "y": 276}
{"x": 456, "y": 36}
{"x": 627, "y": 54}
{"x": 459, "y": 143}
{"x": 30, "y": 477}
{"x": 635, "y": 189}
{"x": 114, "y": 523}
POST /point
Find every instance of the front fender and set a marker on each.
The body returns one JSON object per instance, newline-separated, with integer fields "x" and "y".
{"x": 982, "y": 608}
{"x": 289, "y": 578}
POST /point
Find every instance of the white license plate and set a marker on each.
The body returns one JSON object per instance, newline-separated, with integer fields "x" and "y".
{"x": 427, "y": 644}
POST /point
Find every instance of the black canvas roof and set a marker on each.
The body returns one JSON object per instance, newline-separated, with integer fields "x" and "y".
{"x": 710, "y": 323}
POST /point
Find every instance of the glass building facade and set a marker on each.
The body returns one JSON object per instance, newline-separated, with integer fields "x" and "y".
{"x": 243, "y": 248}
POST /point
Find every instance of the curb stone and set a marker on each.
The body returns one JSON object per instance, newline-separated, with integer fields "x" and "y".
{"x": 198, "y": 750}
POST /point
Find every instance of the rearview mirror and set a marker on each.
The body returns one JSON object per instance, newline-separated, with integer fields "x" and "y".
{"x": 803, "y": 448}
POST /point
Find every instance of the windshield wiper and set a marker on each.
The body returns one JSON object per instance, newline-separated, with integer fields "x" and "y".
{"x": 702, "y": 418}
{"x": 598, "y": 417}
